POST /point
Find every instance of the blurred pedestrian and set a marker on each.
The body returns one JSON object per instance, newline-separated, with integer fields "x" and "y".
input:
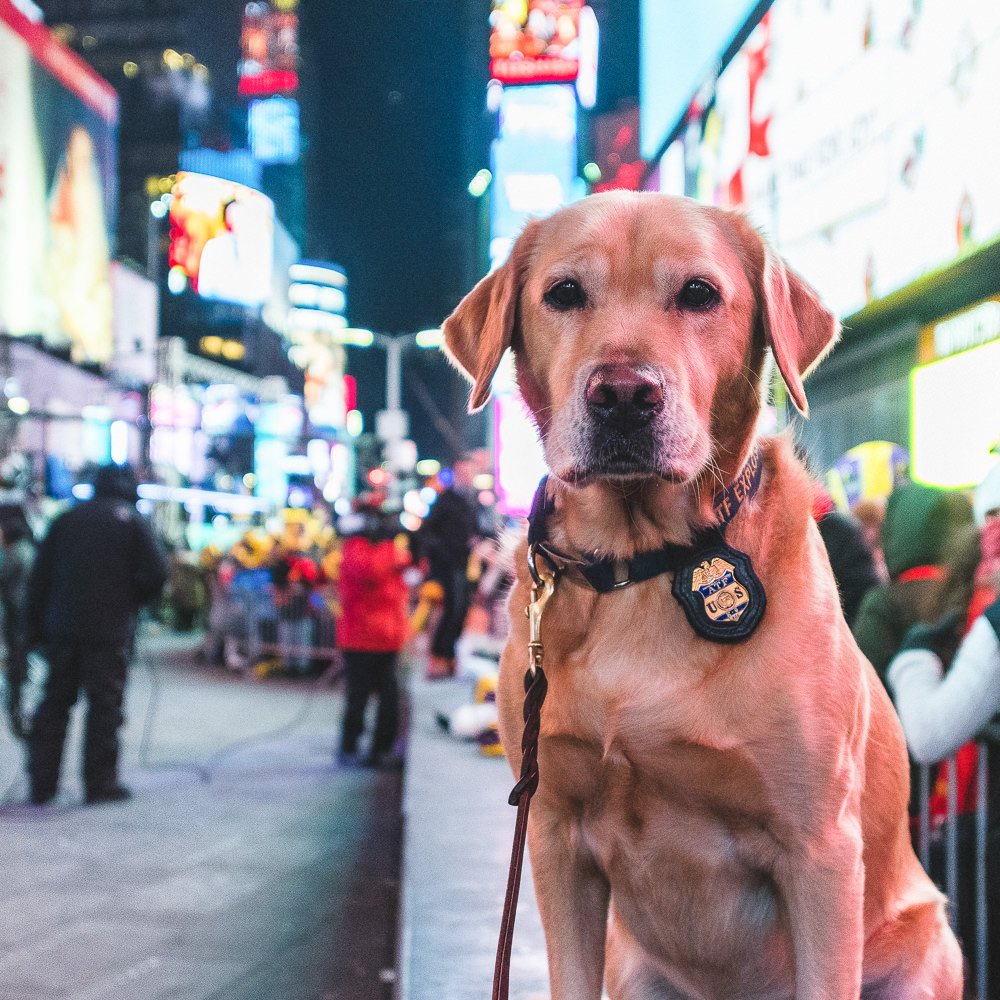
{"x": 941, "y": 711}
{"x": 17, "y": 553}
{"x": 920, "y": 524}
{"x": 446, "y": 538}
{"x": 95, "y": 569}
{"x": 850, "y": 556}
{"x": 372, "y": 628}
{"x": 944, "y": 702}
{"x": 926, "y": 538}
{"x": 186, "y": 590}
{"x": 871, "y": 514}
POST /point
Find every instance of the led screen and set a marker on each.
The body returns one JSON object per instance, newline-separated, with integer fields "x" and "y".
{"x": 680, "y": 41}
{"x": 57, "y": 193}
{"x": 955, "y": 418}
{"x": 520, "y": 463}
{"x": 534, "y": 161}
{"x": 221, "y": 239}
{"x": 273, "y": 125}
{"x": 535, "y": 41}
{"x": 861, "y": 138}
{"x": 269, "y": 44}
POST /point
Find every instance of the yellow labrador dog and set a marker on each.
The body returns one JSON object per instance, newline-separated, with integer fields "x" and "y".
{"x": 714, "y": 819}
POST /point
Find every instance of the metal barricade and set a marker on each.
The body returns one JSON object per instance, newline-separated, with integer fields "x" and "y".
{"x": 301, "y": 634}
{"x": 987, "y": 742}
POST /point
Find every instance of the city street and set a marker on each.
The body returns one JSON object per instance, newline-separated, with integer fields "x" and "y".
{"x": 247, "y": 866}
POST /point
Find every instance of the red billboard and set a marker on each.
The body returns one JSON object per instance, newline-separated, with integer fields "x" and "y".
{"x": 535, "y": 41}
{"x": 269, "y": 43}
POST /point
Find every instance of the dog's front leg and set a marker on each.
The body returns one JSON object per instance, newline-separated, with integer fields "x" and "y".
{"x": 573, "y": 900}
{"x": 822, "y": 882}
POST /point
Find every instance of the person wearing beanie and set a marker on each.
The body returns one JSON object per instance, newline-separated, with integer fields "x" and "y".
{"x": 920, "y": 524}
{"x": 95, "y": 569}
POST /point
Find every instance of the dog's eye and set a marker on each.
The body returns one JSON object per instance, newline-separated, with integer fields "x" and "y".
{"x": 697, "y": 294}
{"x": 566, "y": 295}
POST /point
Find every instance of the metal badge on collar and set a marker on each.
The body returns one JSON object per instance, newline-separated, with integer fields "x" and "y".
{"x": 721, "y": 594}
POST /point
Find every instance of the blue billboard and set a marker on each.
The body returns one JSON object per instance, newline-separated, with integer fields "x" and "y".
{"x": 534, "y": 161}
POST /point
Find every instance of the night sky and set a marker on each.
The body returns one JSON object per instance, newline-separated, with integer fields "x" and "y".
{"x": 389, "y": 106}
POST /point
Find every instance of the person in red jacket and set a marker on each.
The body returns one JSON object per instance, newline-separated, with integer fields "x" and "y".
{"x": 371, "y": 630}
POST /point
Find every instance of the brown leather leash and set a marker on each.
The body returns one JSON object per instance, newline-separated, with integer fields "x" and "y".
{"x": 535, "y": 687}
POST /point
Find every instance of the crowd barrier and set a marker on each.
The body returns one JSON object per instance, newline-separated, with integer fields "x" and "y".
{"x": 251, "y": 628}
{"x": 977, "y": 949}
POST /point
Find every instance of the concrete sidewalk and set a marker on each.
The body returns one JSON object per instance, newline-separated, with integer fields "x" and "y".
{"x": 247, "y": 867}
{"x": 458, "y": 830}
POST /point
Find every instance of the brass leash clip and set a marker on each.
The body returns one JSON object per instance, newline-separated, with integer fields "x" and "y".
{"x": 540, "y": 594}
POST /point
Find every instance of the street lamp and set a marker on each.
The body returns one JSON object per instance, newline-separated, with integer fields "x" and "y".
{"x": 392, "y": 423}
{"x": 393, "y": 345}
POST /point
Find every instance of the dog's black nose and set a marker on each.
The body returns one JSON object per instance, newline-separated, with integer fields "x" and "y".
{"x": 625, "y": 397}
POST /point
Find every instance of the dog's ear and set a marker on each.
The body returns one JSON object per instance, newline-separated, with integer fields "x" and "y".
{"x": 798, "y": 327}
{"x": 482, "y": 326}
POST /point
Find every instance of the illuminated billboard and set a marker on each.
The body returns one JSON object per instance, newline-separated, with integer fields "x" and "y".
{"x": 273, "y": 126}
{"x": 955, "y": 418}
{"x": 57, "y": 192}
{"x": 861, "y": 138}
{"x": 681, "y": 42}
{"x": 221, "y": 240}
{"x": 269, "y": 44}
{"x": 534, "y": 161}
{"x": 535, "y": 41}
{"x": 519, "y": 462}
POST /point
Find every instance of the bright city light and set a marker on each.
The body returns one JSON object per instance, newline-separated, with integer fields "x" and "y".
{"x": 18, "y": 405}
{"x": 479, "y": 184}
{"x": 119, "y": 442}
{"x": 430, "y": 339}
{"x": 316, "y": 274}
{"x": 352, "y": 336}
{"x": 354, "y": 422}
{"x": 428, "y": 467}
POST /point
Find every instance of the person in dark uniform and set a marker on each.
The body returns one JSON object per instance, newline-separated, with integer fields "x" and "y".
{"x": 446, "y": 537}
{"x": 17, "y": 553}
{"x": 96, "y": 567}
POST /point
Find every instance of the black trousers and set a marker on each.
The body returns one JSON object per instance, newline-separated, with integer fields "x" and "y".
{"x": 17, "y": 667}
{"x": 368, "y": 674}
{"x": 453, "y": 611}
{"x": 100, "y": 670}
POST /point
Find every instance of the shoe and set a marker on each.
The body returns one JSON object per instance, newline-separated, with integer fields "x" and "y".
{"x": 440, "y": 668}
{"x": 19, "y": 727}
{"x": 348, "y": 758}
{"x": 41, "y": 798}
{"x": 388, "y": 761}
{"x": 114, "y": 793}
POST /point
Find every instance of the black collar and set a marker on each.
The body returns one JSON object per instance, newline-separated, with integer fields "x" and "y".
{"x": 611, "y": 574}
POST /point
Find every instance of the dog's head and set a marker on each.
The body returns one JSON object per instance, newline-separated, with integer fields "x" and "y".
{"x": 640, "y": 325}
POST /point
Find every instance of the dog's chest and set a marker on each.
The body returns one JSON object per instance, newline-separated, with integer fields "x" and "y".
{"x": 645, "y": 728}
